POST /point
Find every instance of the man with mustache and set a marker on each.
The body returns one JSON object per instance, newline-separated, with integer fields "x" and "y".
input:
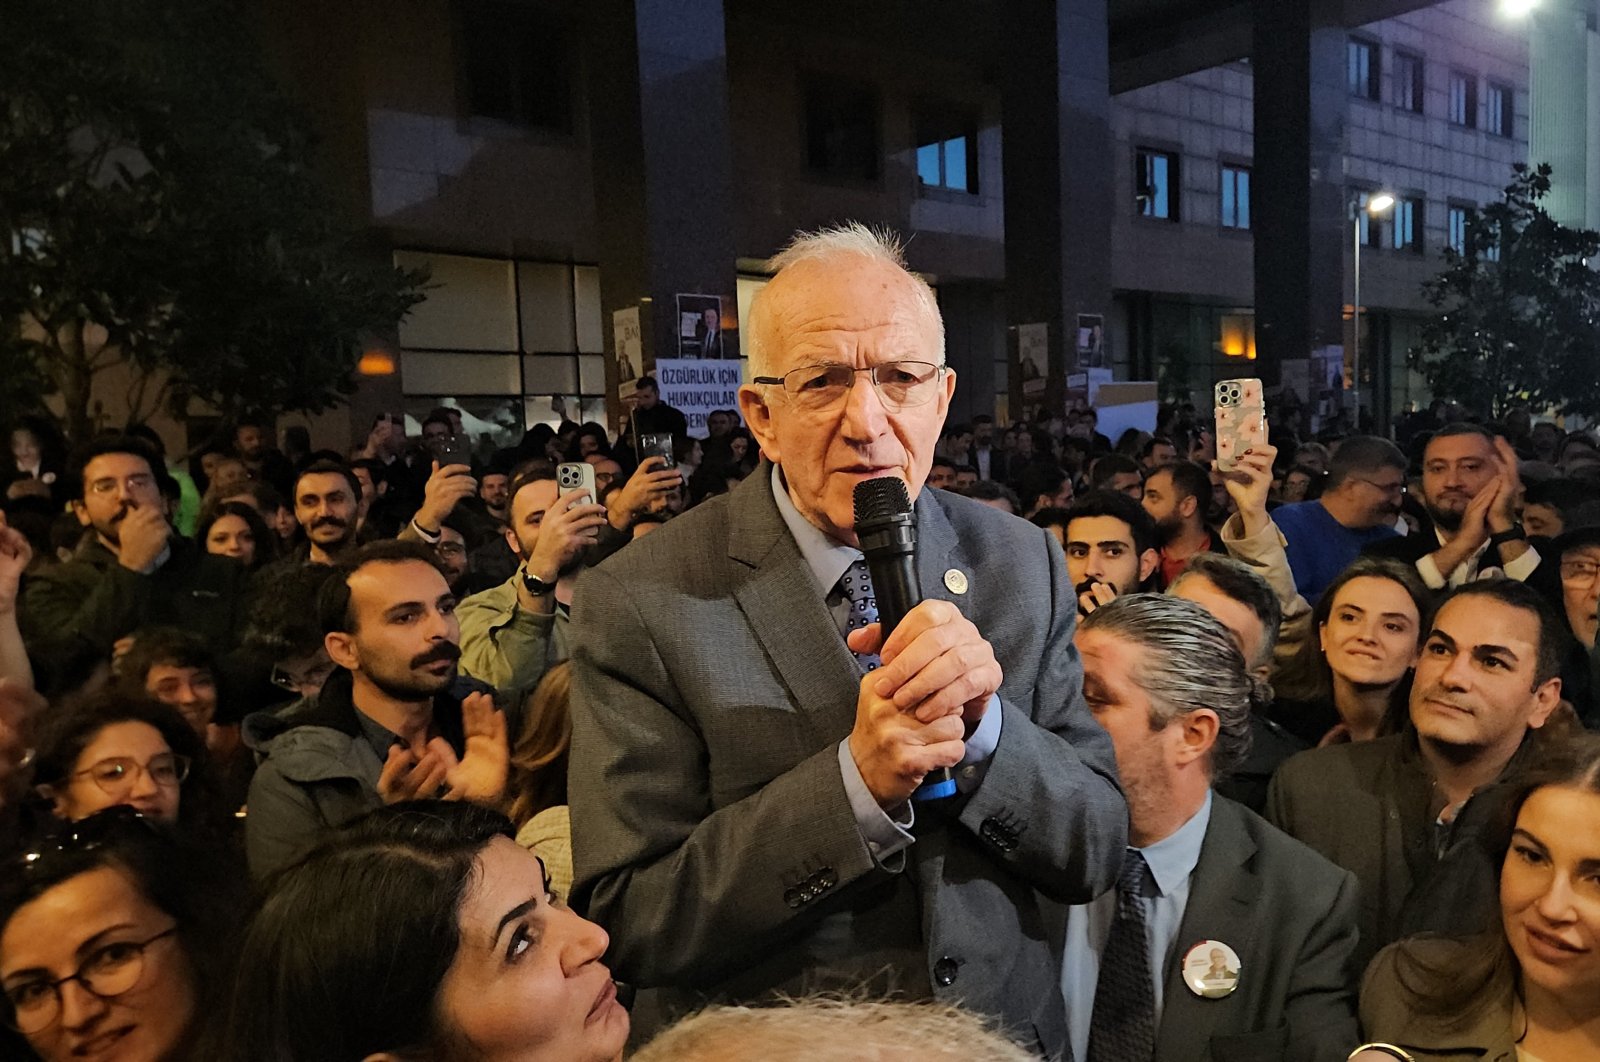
{"x": 134, "y": 571}
{"x": 1386, "y": 810}
{"x": 394, "y": 721}
{"x": 1470, "y": 488}
{"x": 1359, "y": 506}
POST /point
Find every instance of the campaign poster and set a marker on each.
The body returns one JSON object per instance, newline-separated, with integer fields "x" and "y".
{"x": 700, "y": 326}
{"x": 629, "y": 342}
{"x": 1091, "y": 349}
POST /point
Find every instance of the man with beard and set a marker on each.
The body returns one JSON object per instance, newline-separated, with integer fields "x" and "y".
{"x": 1359, "y": 506}
{"x": 512, "y": 633}
{"x": 1470, "y": 488}
{"x": 134, "y": 571}
{"x": 393, "y": 721}
{"x": 1386, "y": 810}
{"x": 252, "y": 443}
{"x": 1176, "y": 496}
{"x": 327, "y": 502}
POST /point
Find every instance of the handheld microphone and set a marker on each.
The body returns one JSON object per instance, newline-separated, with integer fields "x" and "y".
{"x": 886, "y": 527}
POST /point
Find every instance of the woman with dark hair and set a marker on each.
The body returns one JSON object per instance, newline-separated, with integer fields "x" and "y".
{"x": 119, "y": 749}
{"x": 1528, "y": 988}
{"x": 114, "y": 938}
{"x": 421, "y": 931}
{"x": 590, "y": 439}
{"x": 234, "y": 529}
{"x": 1352, "y": 682}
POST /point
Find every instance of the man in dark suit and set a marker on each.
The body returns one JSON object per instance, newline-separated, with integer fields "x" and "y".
{"x": 741, "y": 772}
{"x": 1488, "y": 679}
{"x": 1470, "y": 489}
{"x": 1225, "y": 939}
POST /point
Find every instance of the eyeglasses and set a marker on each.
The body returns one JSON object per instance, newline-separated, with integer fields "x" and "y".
{"x": 116, "y": 776}
{"x": 1579, "y": 572}
{"x": 900, "y": 384}
{"x": 1386, "y": 488}
{"x": 108, "y": 485}
{"x": 110, "y": 971}
{"x": 311, "y": 678}
{"x": 451, "y": 549}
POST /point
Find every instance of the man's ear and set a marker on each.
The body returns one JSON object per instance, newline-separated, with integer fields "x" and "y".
{"x": 757, "y": 415}
{"x": 1189, "y": 506}
{"x": 81, "y": 511}
{"x": 1198, "y": 734}
{"x": 1545, "y": 699}
{"x": 511, "y": 537}
{"x": 342, "y": 650}
{"x": 1148, "y": 560}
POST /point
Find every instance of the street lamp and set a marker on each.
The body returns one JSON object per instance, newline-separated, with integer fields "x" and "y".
{"x": 1376, "y": 205}
{"x": 1517, "y": 8}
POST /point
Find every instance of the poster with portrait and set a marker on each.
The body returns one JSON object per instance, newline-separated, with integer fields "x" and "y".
{"x": 629, "y": 341}
{"x": 1033, "y": 357}
{"x": 1091, "y": 347}
{"x": 700, "y": 326}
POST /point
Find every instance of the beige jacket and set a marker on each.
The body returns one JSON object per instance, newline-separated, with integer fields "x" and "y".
{"x": 1264, "y": 553}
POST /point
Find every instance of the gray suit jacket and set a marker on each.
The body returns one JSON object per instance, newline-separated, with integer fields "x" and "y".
{"x": 712, "y": 835}
{"x": 1291, "y": 916}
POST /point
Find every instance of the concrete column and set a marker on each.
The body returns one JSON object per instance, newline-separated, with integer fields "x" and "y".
{"x": 1297, "y": 196}
{"x": 663, "y": 164}
{"x": 1056, "y": 112}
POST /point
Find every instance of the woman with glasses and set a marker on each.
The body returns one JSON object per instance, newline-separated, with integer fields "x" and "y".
{"x": 422, "y": 931}
{"x": 119, "y": 749}
{"x": 1528, "y": 987}
{"x": 113, "y": 938}
{"x": 1352, "y": 681}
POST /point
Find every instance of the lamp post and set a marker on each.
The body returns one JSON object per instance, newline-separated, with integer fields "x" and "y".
{"x": 1375, "y": 206}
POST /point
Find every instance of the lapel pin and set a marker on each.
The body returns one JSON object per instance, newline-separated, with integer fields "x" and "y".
{"x": 955, "y": 581}
{"x": 1211, "y": 969}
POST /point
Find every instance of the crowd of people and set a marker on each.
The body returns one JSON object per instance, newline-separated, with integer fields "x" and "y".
{"x": 415, "y": 751}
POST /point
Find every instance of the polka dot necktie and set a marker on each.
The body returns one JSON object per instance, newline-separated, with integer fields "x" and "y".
{"x": 1122, "y": 1027}
{"x": 856, "y": 585}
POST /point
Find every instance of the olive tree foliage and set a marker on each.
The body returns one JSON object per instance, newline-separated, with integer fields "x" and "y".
{"x": 158, "y": 206}
{"x": 1518, "y": 309}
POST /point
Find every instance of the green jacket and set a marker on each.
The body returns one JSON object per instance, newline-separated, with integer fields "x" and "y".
{"x": 507, "y": 646}
{"x": 92, "y": 600}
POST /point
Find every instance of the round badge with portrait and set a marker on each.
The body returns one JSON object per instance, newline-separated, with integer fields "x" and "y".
{"x": 1211, "y": 969}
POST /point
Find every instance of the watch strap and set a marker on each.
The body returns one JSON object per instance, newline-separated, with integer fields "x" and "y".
{"x": 535, "y": 586}
{"x": 1513, "y": 533}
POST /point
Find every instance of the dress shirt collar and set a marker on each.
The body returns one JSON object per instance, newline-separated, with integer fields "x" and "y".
{"x": 827, "y": 559}
{"x": 1173, "y": 858}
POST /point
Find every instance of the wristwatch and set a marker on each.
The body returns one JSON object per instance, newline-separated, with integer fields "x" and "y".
{"x": 536, "y": 586}
{"x": 1510, "y": 534}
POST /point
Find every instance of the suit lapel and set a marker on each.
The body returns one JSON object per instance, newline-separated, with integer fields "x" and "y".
{"x": 1222, "y": 906}
{"x": 938, "y": 550}
{"x": 786, "y": 609}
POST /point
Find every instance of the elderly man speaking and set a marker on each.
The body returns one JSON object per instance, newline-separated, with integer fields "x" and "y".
{"x": 742, "y": 766}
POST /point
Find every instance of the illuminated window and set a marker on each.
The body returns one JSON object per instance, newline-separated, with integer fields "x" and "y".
{"x": 1238, "y": 335}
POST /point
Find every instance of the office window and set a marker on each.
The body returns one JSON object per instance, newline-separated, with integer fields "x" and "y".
{"x": 1235, "y": 197}
{"x": 1456, "y": 223}
{"x": 841, "y": 123}
{"x": 1364, "y": 69}
{"x": 1370, "y": 227}
{"x": 947, "y": 152}
{"x": 1408, "y": 81}
{"x": 515, "y": 66}
{"x": 1406, "y": 225}
{"x": 1499, "y": 114}
{"x": 1463, "y": 99}
{"x": 1156, "y": 184}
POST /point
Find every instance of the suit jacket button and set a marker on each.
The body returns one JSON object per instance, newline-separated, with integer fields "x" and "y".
{"x": 792, "y": 897}
{"x": 827, "y": 878}
{"x": 944, "y": 972}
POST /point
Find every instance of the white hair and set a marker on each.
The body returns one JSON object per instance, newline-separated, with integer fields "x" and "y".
{"x": 850, "y": 238}
{"x": 833, "y": 1030}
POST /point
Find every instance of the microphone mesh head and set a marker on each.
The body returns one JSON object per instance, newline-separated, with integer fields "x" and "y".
{"x": 881, "y": 498}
